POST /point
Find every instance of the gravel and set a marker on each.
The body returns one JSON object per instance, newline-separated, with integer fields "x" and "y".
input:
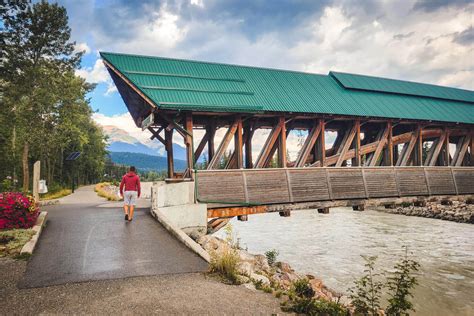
{"x": 191, "y": 293}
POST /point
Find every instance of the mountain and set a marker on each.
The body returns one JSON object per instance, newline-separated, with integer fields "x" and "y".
{"x": 120, "y": 140}
{"x": 144, "y": 162}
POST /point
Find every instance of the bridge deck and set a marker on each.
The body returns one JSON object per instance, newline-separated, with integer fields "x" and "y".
{"x": 224, "y": 188}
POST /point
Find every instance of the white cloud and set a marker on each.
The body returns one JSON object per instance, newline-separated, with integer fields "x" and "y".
{"x": 97, "y": 74}
{"x": 82, "y": 47}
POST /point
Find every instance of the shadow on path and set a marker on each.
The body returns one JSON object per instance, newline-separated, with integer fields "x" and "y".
{"x": 87, "y": 238}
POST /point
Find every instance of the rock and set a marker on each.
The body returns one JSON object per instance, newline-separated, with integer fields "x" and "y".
{"x": 242, "y": 279}
{"x": 249, "y": 286}
{"x": 284, "y": 267}
{"x": 261, "y": 263}
{"x": 259, "y": 277}
{"x": 316, "y": 284}
{"x": 246, "y": 268}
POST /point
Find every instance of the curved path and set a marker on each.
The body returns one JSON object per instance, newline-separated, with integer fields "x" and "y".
{"x": 86, "y": 238}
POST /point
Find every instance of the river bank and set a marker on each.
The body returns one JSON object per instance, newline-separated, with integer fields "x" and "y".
{"x": 456, "y": 211}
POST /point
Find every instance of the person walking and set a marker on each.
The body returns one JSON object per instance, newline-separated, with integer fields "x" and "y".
{"x": 131, "y": 183}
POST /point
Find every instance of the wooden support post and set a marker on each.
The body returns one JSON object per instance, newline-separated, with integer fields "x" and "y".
{"x": 461, "y": 150}
{"x": 407, "y": 150}
{"x": 211, "y": 131}
{"x": 382, "y": 140}
{"x": 435, "y": 150}
{"x": 345, "y": 145}
{"x": 447, "y": 156}
{"x": 238, "y": 144}
{"x": 282, "y": 143}
{"x": 169, "y": 151}
{"x": 188, "y": 125}
{"x": 243, "y": 218}
{"x": 285, "y": 213}
{"x": 471, "y": 148}
{"x": 389, "y": 150}
{"x": 320, "y": 146}
{"x": 223, "y": 146}
{"x": 264, "y": 155}
{"x": 324, "y": 210}
{"x": 418, "y": 156}
{"x": 308, "y": 145}
{"x": 36, "y": 179}
{"x": 248, "y": 130}
{"x": 356, "y": 161}
{"x": 201, "y": 146}
{"x": 359, "y": 207}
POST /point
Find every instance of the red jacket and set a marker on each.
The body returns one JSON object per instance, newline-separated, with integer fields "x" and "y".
{"x": 131, "y": 181}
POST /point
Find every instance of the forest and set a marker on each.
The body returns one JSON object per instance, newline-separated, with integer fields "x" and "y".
{"x": 45, "y": 113}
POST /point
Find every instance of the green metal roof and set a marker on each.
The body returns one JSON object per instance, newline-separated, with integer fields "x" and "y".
{"x": 203, "y": 86}
{"x": 369, "y": 83}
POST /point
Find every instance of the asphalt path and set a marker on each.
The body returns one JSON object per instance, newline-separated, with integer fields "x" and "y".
{"x": 86, "y": 238}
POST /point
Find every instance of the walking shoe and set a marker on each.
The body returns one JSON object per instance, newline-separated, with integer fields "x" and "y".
{"x": 126, "y": 217}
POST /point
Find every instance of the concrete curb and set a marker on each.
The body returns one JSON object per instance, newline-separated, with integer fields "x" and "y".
{"x": 180, "y": 235}
{"x": 38, "y": 228}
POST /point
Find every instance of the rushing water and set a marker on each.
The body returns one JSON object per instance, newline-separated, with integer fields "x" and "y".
{"x": 330, "y": 246}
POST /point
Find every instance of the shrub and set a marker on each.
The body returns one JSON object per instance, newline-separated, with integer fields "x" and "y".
{"x": 17, "y": 210}
{"x": 400, "y": 285}
{"x": 365, "y": 295}
{"x": 271, "y": 256}
{"x": 302, "y": 288}
{"x": 316, "y": 307}
{"x": 56, "y": 194}
{"x": 102, "y": 192}
{"x": 225, "y": 264}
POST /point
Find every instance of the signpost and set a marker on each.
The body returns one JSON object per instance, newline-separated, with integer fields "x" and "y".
{"x": 148, "y": 121}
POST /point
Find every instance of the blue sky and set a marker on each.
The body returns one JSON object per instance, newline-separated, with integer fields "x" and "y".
{"x": 420, "y": 40}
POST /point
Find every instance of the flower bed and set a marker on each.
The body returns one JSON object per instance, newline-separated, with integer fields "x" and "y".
{"x": 17, "y": 210}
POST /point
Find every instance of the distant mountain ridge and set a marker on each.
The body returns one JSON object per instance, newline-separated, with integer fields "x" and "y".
{"x": 144, "y": 162}
{"x": 121, "y": 141}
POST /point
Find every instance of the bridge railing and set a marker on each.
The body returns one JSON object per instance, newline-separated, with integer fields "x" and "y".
{"x": 295, "y": 185}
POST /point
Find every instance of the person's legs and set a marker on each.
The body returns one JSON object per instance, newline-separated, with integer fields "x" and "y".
{"x": 133, "y": 198}
{"x": 126, "y": 204}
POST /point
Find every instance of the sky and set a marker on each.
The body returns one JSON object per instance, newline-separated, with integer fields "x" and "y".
{"x": 429, "y": 41}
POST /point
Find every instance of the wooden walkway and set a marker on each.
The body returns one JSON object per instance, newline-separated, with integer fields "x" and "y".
{"x": 258, "y": 187}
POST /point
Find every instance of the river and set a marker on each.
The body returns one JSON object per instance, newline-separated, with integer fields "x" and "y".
{"x": 330, "y": 246}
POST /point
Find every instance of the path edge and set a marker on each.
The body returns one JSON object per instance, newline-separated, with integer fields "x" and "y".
{"x": 180, "y": 235}
{"x": 29, "y": 247}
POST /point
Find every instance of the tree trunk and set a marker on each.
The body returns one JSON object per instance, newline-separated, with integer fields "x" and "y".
{"x": 26, "y": 170}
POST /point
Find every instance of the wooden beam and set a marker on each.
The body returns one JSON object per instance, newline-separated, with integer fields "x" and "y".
{"x": 345, "y": 145}
{"x": 211, "y": 131}
{"x": 169, "y": 152}
{"x": 381, "y": 143}
{"x": 447, "y": 156}
{"x": 282, "y": 161}
{"x": 248, "y": 133}
{"x": 320, "y": 146}
{"x": 308, "y": 145}
{"x": 418, "y": 154}
{"x": 201, "y": 146}
{"x": 472, "y": 148}
{"x": 436, "y": 149}
{"x": 461, "y": 150}
{"x": 223, "y": 146}
{"x": 235, "y": 211}
{"x": 389, "y": 149}
{"x": 238, "y": 144}
{"x": 431, "y": 152}
{"x": 356, "y": 161}
{"x": 267, "y": 147}
{"x": 409, "y": 149}
{"x": 156, "y": 134}
{"x": 188, "y": 140}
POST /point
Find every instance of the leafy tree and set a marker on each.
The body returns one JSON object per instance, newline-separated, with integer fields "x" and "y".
{"x": 401, "y": 284}
{"x": 365, "y": 295}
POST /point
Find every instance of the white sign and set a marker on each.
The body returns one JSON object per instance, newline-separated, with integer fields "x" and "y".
{"x": 42, "y": 188}
{"x": 148, "y": 121}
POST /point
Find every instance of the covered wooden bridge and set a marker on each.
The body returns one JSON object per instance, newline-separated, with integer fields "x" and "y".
{"x": 364, "y": 137}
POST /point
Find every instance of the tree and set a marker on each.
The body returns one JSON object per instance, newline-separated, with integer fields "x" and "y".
{"x": 36, "y": 50}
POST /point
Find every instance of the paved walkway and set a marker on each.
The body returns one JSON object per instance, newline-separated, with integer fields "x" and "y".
{"x": 87, "y": 238}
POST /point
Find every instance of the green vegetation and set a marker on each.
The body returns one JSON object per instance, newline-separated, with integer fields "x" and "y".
{"x": 45, "y": 111}
{"x": 56, "y": 195}
{"x": 11, "y": 241}
{"x": 143, "y": 162}
{"x": 367, "y": 291}
{"x": 301, "y": 301}
{"x": 365, "y": 295}
{"x": 225, "y": 264}
{"x": 101, "y": 190}
{"x": 271, "y": 256}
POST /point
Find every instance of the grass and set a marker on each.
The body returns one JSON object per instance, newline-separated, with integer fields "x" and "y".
{"x": 225, "y": 265}
{"x": 102, "y": 192}
{"x": 56, "y": 195}
{"x": 11, "y": 241}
